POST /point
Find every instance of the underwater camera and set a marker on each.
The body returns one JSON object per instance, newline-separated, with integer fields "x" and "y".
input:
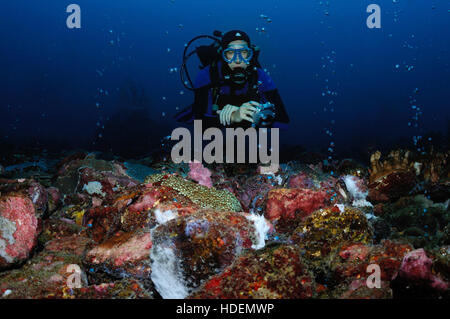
{"x": 264, "y": 115}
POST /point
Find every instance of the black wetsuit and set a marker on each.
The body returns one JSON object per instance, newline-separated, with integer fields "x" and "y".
{"x": 230, "y": 93}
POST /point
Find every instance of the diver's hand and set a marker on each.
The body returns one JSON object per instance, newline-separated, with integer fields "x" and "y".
{"x": 245, "y": 112}
{"x": 226, "y": 114}
{"x": 252, "y": 103}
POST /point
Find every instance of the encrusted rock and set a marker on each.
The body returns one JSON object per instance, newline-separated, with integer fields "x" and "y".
{"x": 19, "y": 229}
{"x": 327, "y": 229}
{"x": 123, "y": 255}
{"x": 47, "y": 275}
{"x": 416, "y": 268}
{"x": 275, "y": 273}
{"x": 126, "y": 288}
{"x": 54, "y": 199}
{"x": 418, "y": 220}
{"x": 195, "y": 247}
{"x": 205, "y": 197}
{"x": 287, "y": 207}
{"x": 359, "y": 289}
{"x": 353, "y": 260}
{"x": 252, "y": 191}
{"x": 392, "y": 178}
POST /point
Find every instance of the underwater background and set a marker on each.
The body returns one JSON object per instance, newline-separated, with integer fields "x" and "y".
{"x": 340, "y": 81}
{"x": 92, "y": 205}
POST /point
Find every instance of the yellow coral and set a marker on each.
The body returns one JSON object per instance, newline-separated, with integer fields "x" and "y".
{"x": 78, "y": 216}
{"x": 203, "y": 196}
{"x": 327, "y": 229}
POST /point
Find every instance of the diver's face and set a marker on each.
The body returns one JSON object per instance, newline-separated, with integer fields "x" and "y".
{"x": 238, "y": 63}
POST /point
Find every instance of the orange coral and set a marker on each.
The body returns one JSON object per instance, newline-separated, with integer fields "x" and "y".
{"x": 437, "y": 167}
{"x": 396, "y": 161}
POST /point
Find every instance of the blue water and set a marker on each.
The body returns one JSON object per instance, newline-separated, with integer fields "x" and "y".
{"x": 54, "y": 80}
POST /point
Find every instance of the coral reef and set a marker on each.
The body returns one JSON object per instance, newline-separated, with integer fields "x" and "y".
{"x": 201, "y": 195}
{"x": 277, "y": 273}
{"x": 436, "y": 167}
{"x": 392, "y": 178}
{"x": 418, "y": 219}
{"x": 353, "y": 260}
{"x": 286, "y": 207}
{"x": 402, "y": 173}
{"x": 327, "y": 229}
{"x": 78, "y": 226}
{"x": 122, "y": 256}
{"x": 200, "y": 174}
{"x": 416, "y": 268}
{"x": 358, "y": 289}
{"x": 206, "y": 242}
{"x": 395, "y": 161}
{"x": 47, "y": 274}
{"x": 123, "y": 289}
{"x": 19, "y": 229}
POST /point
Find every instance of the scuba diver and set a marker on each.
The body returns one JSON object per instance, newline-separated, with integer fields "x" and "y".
{"x": 231, "y": 90}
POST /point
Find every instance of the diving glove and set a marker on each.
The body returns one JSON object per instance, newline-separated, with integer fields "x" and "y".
{"x": 231, "y": 114}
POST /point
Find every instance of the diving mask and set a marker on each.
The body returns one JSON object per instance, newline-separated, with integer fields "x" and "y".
{"x": 231, "y": 54}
